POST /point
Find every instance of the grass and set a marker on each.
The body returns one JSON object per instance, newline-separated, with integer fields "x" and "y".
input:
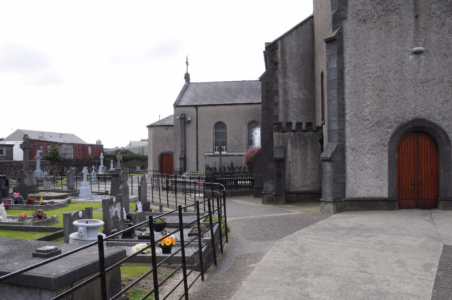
{"x": 24, "y": 235}
{"x": 129, "y": 273}
{"x": 73, "y": 206}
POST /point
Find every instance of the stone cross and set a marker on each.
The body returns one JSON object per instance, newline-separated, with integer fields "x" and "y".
{"x": 118, "y": 159}
{"x": 85, "y": 173}
{"x": 26, "y": 147}
{"x": 416, "y": 8}
{"x": 38, "y": 172}
{"x": 111, "y": 166}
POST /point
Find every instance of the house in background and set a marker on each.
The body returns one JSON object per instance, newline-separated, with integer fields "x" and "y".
{"x": 208, "y": 117}
{"x": 69, "y": 145}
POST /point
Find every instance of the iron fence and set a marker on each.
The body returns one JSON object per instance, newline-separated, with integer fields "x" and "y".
{"x": 212, "y": 243}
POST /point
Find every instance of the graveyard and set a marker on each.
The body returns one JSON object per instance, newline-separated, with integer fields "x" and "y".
{"x": 74, "y": 235}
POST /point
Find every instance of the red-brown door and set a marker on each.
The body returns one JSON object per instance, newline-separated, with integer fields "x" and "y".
{"x": 167, "y": 164}
{"x": 417, "y": 171}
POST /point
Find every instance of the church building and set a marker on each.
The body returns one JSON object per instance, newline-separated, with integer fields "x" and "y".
{"x": 356, "y": 108}
{"x": 209, "y": 118}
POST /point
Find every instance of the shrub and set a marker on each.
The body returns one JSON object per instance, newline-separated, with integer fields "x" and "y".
{"x": 248, "y": 158}
{"x": 126, "y": 155}
{"x": 52, "y": 155}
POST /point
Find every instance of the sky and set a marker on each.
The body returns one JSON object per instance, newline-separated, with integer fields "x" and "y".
{"x": 106, "y": 69}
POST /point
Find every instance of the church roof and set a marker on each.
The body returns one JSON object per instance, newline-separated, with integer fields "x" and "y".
{"x": 220, "y": 93}
{"x": 58, "y": 137}
{"x": 168, "y": 121}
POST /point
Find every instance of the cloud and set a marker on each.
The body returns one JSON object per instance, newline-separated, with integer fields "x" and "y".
{"x": 43, "y": 80}
{"x": 161, "y": 50}
{"x": 20, "y": 58}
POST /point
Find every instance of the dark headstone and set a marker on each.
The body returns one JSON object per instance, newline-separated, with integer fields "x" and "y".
{"x": 4, "y": 187}
{"x": 69, "y": 218}
{"x": 137, "y": 218}
{"x": 143, "y": 193}
{"x": 70, "y": 179}
{"x": 112, "y": 210}
{"x": 125, "y": 189}
{"x": 21, "y": 187}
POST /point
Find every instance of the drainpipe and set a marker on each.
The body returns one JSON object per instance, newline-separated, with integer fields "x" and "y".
{"x": 196, "y": 138}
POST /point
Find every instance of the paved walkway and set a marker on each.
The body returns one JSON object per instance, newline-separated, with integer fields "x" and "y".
{"x": 255, "y": 229}
{"x": 399, "y": 255}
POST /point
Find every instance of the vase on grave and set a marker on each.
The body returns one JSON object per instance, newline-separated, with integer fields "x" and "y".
{"x": 7, "y": 201}
{"x": 166, "y": 249}
{"x": 88, "y": 230}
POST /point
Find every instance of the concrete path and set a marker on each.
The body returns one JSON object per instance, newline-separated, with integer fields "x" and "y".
{"x": 255, "y": 228}
{"x": 359, "y": 255}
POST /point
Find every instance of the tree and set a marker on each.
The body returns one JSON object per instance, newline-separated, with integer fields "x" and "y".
{"x": 248, "y": 158}
{"x": 52, "y": 155}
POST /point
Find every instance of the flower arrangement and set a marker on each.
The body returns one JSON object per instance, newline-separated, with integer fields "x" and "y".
{"x": 203, "y": 228}
{"x": 18, "y": 198}
{"x": 30, "y": 201}
{"x": 201, "y": 183}
{"x": 160, "y": 220}
{"x": 39, "y": 214}
{"x": 22, "y": 215}
{"x": 139, "y": 247}
{"x": 167, "y": 242}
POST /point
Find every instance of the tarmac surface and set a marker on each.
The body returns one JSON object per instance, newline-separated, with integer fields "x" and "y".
{"x": 359, "y": 255}
{"x": 255, "y": 228}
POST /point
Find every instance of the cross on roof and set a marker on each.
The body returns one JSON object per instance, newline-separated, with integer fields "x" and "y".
{"x": 186, "y": 62}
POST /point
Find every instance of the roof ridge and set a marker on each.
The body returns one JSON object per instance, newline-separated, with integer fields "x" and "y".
{"x": 224, "y": 81}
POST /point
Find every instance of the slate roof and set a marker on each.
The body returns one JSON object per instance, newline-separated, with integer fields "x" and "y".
{"x": 217, "y": 93}
{"x": 168, "y": 121}
{"x": 58, "y": 137}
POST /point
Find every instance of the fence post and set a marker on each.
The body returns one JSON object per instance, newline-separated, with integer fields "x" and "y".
{"x": 154, "y": 258}
{"x": 219, "y": 224}
{"x": 182, "y": 244}
{"x": 198, "y": 221}
{"x": 103, "y": 282}
{"x": 225, "y": 217}
{"x": 131, "y": 179}
{"x": 167, "y": 191}
{"x": 175, "y": 186}
{"x": 211, "y": 232}
{"x": 152, "y": 188}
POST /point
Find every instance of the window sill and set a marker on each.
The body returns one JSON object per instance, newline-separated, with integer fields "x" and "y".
{"x": 225, "y": 154}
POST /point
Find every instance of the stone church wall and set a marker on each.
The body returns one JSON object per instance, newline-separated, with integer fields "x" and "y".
{"x": 387, "y": 86}
{"x": 161, "y": 140}
{"x": 236, "y": 118}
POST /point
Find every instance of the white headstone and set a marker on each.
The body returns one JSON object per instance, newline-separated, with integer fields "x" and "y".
{"x": 102, "y": 168}
{"x": 4, "y": 214}
{"x": 94, "y": 176}
{"x": 38, "y": 172}
{"x": 124, "y": 213}
{"x": 139, "y": 207}
{"x": 85, "y": 174}
{"x": 85, "y": 189}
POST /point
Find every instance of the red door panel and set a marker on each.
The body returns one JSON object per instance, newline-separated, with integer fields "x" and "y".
{"x": 417, "y": 171}
{"x": 167, "y": 164}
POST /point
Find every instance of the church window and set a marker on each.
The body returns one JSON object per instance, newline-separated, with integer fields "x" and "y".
{"x": 90, "y": 150}
{"x": 254, "y": 135}
{"x": 220, "y": 137}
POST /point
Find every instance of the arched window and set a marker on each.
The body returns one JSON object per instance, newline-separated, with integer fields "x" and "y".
{"x": 220, "y": 137}
{"x": 254, "y": 135}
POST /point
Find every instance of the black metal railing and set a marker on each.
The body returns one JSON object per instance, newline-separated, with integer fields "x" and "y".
{"x": 217, "y": 210}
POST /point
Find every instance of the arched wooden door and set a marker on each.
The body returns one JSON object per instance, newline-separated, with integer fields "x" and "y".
{"x": 167, "y": 164}
{"x": 417, "y": 171}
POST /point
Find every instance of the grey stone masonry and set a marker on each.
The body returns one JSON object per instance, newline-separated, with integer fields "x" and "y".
{"x": 279, "y": 195}
{"x": 69, "y": 218}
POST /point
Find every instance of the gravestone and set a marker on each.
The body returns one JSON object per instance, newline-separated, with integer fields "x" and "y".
{"x": 125, "y": 189}
{"x": 112, "y": 169}
{"x": 38, "y": 173}
{"x": 143, "y": 194}
{"x": 118, "y": 160}
{"x": 85, "y": 189}
{"x": 112, "y": 212}
{"x": 47, "y": 185}
{"x": 70, "y": 179}
{"x": 138, "y": 168}
{"x": 115, "y": 184}
{"x": 102, "y": 168}
{"x": 4, "y": 187}
{"x": 139, "y": 217}
{"x": 21, "y": 187}
{"x": 94, "y": 176}
{"x": 69, "y": 218}
{"x": 30, "y": 179}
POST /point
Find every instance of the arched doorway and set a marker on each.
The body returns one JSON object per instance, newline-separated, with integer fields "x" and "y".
{"x": 166, "y": 163}
{"x": 417, "y": 171}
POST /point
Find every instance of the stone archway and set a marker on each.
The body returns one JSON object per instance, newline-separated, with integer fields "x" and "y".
{"x": 445, "y": 161}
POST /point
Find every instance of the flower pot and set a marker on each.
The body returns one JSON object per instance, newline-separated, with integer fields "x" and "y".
{"x": 143, "y": 237}
{"x": 166, "y": 249}
{"x": 7, "y": 201}
{"x": 31, "y": 202}
{"x": 159, "y": 226}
